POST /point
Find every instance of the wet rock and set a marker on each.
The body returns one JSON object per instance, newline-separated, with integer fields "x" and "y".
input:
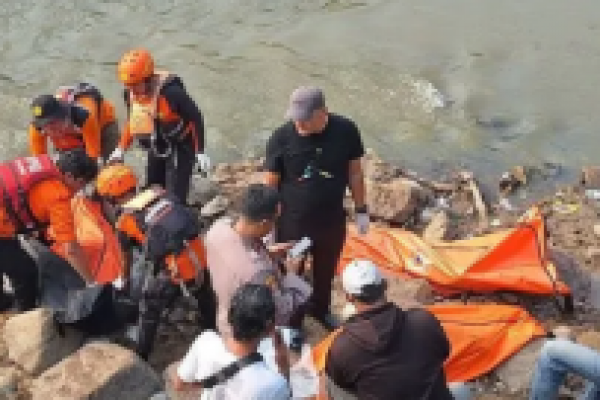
{"x": 517, "y": 371}
{"x": 592, "y": 253}
{"x": 590, "y": 339}
{"x": 161, "y": 396}
{"x": 215, "y": 207}
{"x": 570, "y": 272}
{"x": 375, "y": 169}
{"x": 34, "y": 342}
{"x": 101, "y": 371}
{"x": 437, "y": 228}
{"x": 202, "y": 190}
{"x": 395, "y": 201}
{"x": 594, "y": 296}
{"x": 407, "y": 293}
{"x": 513, "y": 179}
{"x": 563, "y": 332}
{"x": 8, "y": 382}
{"x": 590, "y": 177}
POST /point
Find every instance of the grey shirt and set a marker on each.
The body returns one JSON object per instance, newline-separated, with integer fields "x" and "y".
{"x": 233, "y": 261}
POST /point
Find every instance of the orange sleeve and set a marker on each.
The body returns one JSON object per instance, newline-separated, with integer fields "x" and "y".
{"x": 7, "y": 227}
{"x": 50, "y": 202}
{"x": 91, "y": 128}
{"x": 37, "y": 141}
{"x": 108, "y": 113}
{"x": 129, "y": 226}
{"x": 126, "y": 138}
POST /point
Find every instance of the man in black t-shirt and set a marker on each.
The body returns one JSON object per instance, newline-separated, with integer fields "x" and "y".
{"x": 312, "y": 159}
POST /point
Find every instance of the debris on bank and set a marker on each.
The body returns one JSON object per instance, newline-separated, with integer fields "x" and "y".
{"x": 456, "y": 208}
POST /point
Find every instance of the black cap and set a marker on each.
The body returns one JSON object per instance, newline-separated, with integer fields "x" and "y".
{"x": 46, "y": 108}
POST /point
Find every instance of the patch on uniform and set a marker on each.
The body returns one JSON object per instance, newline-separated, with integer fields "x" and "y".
{"x": 37, "y": 111}
{"x": 271, "y": 282}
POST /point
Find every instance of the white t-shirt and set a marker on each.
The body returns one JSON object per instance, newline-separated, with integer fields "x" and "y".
{"x": 254, "y": 382}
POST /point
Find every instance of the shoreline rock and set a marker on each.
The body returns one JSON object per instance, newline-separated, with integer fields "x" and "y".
{"x": 438, "y": 210}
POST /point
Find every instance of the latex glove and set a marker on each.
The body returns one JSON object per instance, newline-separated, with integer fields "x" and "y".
{"x": 119, "y": 283}
{"x": 362, "y": 223}
{"x": 116, "y": 156}
{"x": 202, "y": 163}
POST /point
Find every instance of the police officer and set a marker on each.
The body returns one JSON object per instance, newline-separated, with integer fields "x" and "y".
{"x": 237, "y": 255}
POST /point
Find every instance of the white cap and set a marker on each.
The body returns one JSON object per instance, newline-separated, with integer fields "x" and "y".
{"x": 358, "y": 274}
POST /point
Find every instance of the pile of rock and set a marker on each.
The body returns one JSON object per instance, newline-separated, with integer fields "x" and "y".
{"x": 40, "y": 361}
{"x": 44, "y": 361}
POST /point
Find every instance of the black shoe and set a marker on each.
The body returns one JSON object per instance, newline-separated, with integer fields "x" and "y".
{"x": 328, "y": 321}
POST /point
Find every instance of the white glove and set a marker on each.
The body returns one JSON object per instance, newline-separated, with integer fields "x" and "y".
{"x": 202, "y": 162}
{"x": 362, "y": 223}
{"x": 119, "y": 283}
{"x": 116, "y": 156}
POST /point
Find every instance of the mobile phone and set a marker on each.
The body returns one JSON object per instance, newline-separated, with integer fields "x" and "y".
{"x": 300, "y": 248}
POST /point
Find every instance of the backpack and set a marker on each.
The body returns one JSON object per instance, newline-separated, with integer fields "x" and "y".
{"x": 72, "y": 92}
{"x": 167, "y": 224}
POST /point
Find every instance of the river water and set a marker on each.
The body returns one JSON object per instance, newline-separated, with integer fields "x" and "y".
{"x": 485, "y": 84}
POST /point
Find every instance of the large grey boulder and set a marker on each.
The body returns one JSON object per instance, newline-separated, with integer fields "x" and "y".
{"x": 35, "y": 343}
{"x": 98, "y": 371}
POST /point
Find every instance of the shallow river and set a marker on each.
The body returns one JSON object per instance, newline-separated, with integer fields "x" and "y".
{"x": 486, "y": 84}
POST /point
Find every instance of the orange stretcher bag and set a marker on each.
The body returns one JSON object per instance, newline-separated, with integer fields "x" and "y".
{"x": 481, "y": 337}
{"x": 97, "y": 239}
{"x": 508, "y": 260}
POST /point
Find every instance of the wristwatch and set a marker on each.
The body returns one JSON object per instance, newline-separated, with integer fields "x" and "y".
{"x": 361, "y": 209}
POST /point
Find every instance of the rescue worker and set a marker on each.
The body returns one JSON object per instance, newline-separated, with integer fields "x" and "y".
{"x": 76, "y": 116}
{"x": 35, "y": 195}
{"x": 164, "y": 120}
{"x": 169, "y": 234}
{"x": 94, "y": 229}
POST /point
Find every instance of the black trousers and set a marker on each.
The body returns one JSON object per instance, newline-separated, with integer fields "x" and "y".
{"x": 21, "y": 270}
{"x": 328, "y": 241}
{"x": 174, "y": 173}
{"x": 158, "y": 295}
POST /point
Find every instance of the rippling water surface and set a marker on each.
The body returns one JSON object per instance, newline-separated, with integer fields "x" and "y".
{"x": 487, "y": 84}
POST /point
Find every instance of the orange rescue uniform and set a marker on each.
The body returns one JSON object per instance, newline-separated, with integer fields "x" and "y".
{"x": 182, "y": 266}
{"x": 90, "y": 123}
{"x": 50, "y": 204}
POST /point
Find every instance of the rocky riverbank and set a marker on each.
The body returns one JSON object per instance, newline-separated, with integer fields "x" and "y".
{"x": 452, "y": 207}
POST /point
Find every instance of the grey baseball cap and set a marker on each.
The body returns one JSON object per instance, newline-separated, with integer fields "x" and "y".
{"x": 304, "y": 101}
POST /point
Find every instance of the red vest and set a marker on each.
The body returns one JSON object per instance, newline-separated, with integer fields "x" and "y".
{"x": 17, "y": 177}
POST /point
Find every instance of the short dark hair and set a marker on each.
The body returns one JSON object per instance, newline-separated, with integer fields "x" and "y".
{"x": 371, "y": 294}
{"x": 77, "y": 163}
{"x": 251, "y": 312}
{"x": 260, "y": 202}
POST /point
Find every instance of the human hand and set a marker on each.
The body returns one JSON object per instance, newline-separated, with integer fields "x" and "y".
{"x": 202, "y": 163}
{"x": 279, "y": 250}
{"x": 294, "y": 265}
{"x": 116, "y": 156}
